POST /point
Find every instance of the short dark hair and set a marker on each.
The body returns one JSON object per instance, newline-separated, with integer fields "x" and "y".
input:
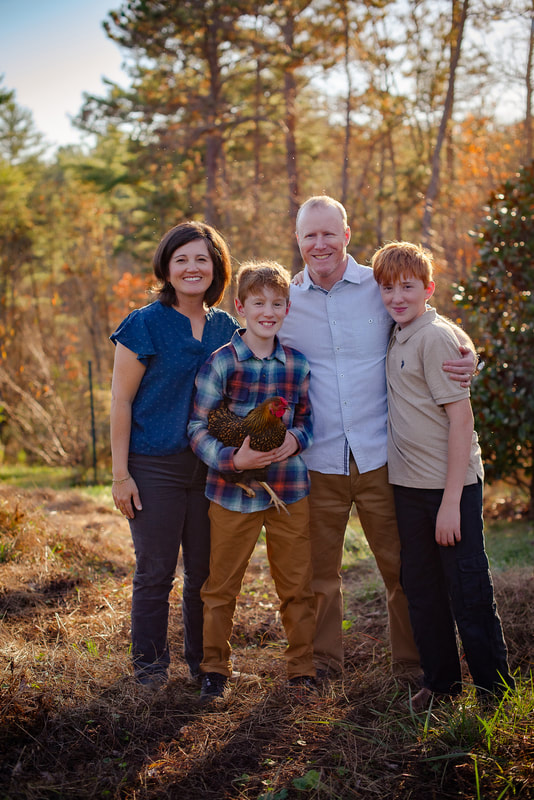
{"x": 177, "y": 237}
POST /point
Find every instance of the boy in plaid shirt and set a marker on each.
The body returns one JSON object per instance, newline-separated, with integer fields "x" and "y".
{"x": 252, "y": 367}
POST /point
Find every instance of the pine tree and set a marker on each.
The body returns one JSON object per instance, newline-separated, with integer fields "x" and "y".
{"x": 499, "y": 301}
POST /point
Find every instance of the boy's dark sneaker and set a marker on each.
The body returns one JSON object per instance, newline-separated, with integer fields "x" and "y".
{"x": 213, "y": 686}
{"x": 422, "y": 700}
{"x": 325, "y": 675}
{"x": 195, "y": 678}
{"x": 152, "y": 679}
{"x": 302, "y": 686}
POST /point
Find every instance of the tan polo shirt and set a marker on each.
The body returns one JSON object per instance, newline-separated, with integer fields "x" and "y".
{"x": 418, "y": 425}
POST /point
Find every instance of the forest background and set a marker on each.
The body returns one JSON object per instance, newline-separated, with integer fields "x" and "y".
{"x": 234, "y": 112}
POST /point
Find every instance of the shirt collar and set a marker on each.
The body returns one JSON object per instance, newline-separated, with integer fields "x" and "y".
{"x": 352, "y": 274}
{"x": 403, "y": 334}
{"x": 244, "y": 352}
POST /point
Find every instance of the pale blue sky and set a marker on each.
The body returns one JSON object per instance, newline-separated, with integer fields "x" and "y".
{"x": 51, "y": 51}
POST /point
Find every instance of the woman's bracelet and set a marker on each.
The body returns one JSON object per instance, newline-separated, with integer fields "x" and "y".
{"x": 121, "y": 480}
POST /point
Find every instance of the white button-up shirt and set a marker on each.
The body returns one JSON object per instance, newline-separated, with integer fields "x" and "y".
{"x": 344, "y": 334}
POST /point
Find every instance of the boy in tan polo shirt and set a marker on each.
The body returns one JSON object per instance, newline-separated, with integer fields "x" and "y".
{"x": 435, "y": 466}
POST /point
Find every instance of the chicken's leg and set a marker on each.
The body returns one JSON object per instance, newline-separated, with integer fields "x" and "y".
{"x": 278, "y": 504}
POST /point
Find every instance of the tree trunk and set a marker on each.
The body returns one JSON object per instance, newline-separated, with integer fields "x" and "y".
{"x": 396, "y": 200}
{"x": 213, "y": 152}
{"x": 348, "y": 109}
{"x": 213, "y": 139}
{"x": 257, "y": 146}
{"x": 380, "y": 195}
{"x": 528, "y": 81}
{"x": 432, "y": 191}
{"x": 290, "y": 99}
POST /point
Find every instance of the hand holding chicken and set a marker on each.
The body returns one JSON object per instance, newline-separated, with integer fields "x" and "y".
{"x": 260, "y": 438}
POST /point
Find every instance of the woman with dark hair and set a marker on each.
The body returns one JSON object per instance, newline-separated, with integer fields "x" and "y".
{"x": 158, "y": 482}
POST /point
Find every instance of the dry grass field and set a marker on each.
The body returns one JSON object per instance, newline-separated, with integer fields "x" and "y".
{"x": 74, "y": 725}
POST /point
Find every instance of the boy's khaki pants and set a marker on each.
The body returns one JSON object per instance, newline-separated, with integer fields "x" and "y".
{"x": 233, "y": 538}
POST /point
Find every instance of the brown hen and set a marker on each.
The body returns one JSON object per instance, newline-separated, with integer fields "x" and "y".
{"x": 266, "y": 430}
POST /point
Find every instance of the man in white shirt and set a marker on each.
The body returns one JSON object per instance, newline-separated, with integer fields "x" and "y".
{"x": 338, "y": 321}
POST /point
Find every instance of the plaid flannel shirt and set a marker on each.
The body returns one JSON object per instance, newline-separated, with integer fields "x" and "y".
{"x": 233, "y": 374}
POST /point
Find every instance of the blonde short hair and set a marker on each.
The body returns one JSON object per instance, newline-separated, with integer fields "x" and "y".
{"x": 322, "y": 201}
{"x": 253, "y": 276}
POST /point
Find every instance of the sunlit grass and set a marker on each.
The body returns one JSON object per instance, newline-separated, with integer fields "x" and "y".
{"x": 32, "y": 477}
{"x": 57, "y": 478}
{"x": 65, "y": 645}
{"x": 356, "y": 546}
{"x": 510, "y": 543}
{"x": 100, "y": 492}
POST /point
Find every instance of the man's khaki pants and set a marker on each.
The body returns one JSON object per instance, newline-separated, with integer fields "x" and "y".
{"x": 331, "y": 500}
{"x": 233, "y": 538}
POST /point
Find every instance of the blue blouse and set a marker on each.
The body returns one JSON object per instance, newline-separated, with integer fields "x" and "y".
{"x": 163, "y": 341}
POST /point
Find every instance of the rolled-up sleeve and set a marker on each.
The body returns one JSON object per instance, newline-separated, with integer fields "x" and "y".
{"x": 208, "y": 396}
